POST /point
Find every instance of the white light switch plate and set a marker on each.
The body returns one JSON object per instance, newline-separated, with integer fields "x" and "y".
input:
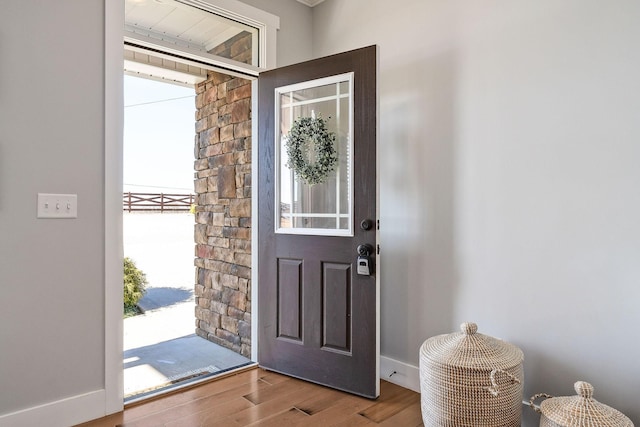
{"x": 57, "y": 205}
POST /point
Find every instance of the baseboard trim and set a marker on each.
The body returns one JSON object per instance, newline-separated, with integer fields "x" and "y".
{"x": 63, "y": 413}
{"x": 400, "y": 373}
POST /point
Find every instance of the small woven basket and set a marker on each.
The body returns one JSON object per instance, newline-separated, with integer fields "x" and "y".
{"x": 578, "y": 411}
{"x": 469, "y": 379}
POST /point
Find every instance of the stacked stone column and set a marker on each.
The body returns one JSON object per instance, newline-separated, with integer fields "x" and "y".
{"x": 223, "y": 211}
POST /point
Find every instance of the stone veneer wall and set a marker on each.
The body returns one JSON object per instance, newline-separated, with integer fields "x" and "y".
{"x": 237, "y": 48}
{"x": 223, "y": 212}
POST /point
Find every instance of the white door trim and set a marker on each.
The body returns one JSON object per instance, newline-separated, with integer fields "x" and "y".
{"x": 254, "y": 221}
{"x": 113, "y": 250}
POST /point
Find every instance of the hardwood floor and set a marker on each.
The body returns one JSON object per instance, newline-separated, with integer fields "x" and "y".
{"x": 260, "y": 398}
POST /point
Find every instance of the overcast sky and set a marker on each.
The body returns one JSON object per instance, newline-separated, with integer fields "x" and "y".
{"x": 159, "y": 130}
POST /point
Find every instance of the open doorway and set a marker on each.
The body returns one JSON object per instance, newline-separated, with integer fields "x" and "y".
{"x": 180, "y": 41}
{"x": 168, "y": 342}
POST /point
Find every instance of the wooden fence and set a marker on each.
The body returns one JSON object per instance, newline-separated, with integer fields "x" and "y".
{"x": 157, "y": 202}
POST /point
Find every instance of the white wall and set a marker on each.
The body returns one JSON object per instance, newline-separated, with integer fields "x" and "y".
{"x": 510, "y": 179}
{"x": 294, "y": 36}
{"x": 52, "y": 272}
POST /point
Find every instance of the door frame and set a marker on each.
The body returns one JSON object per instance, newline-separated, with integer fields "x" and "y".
{"x": 113, "y": 169}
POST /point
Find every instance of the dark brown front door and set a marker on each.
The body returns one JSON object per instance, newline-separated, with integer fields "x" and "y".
{"x": 318, "y": 305}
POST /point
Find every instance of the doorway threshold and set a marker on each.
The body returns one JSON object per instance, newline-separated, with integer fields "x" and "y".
{"x": 185, "y": 383}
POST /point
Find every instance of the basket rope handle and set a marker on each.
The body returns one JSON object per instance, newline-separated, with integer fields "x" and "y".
{"x": 494, "y": 384}
{"x": 538, "y": 396}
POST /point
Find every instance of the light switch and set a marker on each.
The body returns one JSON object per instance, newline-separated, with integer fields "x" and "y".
{"x": 57, "y": 205}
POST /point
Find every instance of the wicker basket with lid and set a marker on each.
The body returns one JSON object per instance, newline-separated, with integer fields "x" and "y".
{"x": 470, "y": 379}
{"x": 578, "y": 411}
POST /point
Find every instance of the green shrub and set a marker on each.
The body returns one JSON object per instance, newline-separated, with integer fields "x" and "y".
{"x": 135, "y": 282}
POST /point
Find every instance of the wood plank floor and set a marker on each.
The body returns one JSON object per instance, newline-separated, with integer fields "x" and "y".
{"x": 260, "y": 398}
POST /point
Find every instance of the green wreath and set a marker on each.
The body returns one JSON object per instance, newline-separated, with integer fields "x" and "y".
{"x": 311, "y": 133}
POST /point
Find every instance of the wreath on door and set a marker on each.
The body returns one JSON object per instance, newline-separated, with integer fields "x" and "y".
{"x": 311, "y": 149}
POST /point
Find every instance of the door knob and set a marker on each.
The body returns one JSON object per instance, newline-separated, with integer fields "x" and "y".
{"x": 365, "y": 249}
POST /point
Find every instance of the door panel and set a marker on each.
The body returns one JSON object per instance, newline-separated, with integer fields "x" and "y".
{"x": 290, "y": 308}
{"x": 336, "y": 304}
{"x": 318, "y": 318}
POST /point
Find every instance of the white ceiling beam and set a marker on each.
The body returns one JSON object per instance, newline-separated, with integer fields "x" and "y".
{"x": 162, "y": 49}
{"x": 140, "y": 64}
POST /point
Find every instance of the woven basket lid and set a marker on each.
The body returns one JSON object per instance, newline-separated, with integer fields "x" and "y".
{"x": 582, "y": 410}
{"x": 471, "y": 350}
